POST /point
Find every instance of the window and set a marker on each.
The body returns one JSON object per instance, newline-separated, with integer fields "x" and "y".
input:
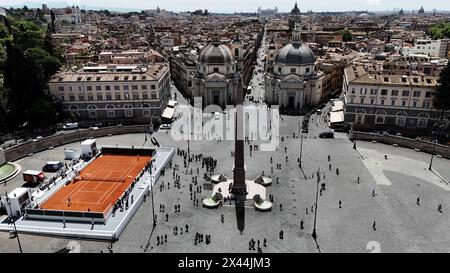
{"x": 363, "y": 91}
{"x": 116, "y": 78}
{"x": 135, "y": 96}
{"x": 405, "y": 93}
{"x": 154, "y": 96}
{"x": 62, "y": 98}
{"x": 98, "y": 78}
{"x": 88, "y": 88}
{"x": 394, "y": 93}
{"x": 426, "y": 104}
{"x": 134, "y": 87}
{"x": 145, "y": 96}
{"x": 403, "y": 102}
{"x": 379, "y": 119}
{"x": 415, "y": 103}
{"x": 116, "y": 87}
{"x": 61, "y": 88}
{"x": 362, "y": 100}
{"x": 108, "y": 88}
{"x": 110, "y": 111}
{"x": 98, "y": 88}
{"x": 81, "y": 97}
{"x": 108, "y": 96}
{"x": 144, "y": 87}
{"x": 373, "y": 91}
{"x": 79, "y": 88}
{"x": 352, "y": 100}
{"x": 384, "y": 92}
{"x": 279, "y": 69}
{"x": 372, "y": 101}
{"x": 146, "y": 110}
{"x": 127, "y": 95}
{"x": 293, "y": 70}
{"x": 307, "y": 70}
{"x": 99, "y": 96}
{"x": 72, "y": 97}
{"x": 153, "y": 87}
{"x": 382, "y": 102}
{"x": 90, "y": 97}
{"x": 118, "y": 97}
{"x": 416, "y": 94}
{"x": 393, "y": 102}
{"x": 126, "y": 87}
{"x": 353, "y": 90}
{"x": 216, "y": 70}
{"x": 92, "y": 111}
{"x": 128, "y": 110}
{"x": 125, "y": 78}
{"x": 428, "y": 94}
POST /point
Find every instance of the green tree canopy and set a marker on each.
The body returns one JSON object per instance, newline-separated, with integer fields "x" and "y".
{"x": 440, "y": 31}
{"x": 346, "y": 35}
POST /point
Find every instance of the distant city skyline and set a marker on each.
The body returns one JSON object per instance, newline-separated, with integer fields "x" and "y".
{"x": 231, "y": 6}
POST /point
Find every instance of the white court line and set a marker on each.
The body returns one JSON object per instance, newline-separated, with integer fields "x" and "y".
{"x": 127, "y": 173}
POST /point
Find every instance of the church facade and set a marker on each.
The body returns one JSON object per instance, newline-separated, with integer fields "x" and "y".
{"x": 291, "y": 80}
{"x": 218, "y": 76}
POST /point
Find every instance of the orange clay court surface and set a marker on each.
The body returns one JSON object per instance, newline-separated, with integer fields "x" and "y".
{"x": 92, "y": 192}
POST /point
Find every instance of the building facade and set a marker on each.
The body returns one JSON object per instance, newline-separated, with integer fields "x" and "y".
{"x": 112, "y": 94}
{"x": 217, "y": 77}
{"x": 389, "y": 100}
{"x": 434, "y": 48}
{"x": 291, "y": 80}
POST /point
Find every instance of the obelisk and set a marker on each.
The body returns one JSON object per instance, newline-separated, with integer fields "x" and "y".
{"x": 239, "y": 189}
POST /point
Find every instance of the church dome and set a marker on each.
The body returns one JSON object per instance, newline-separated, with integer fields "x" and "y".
{"x": 295, "y": 54}
{"x": 216, "y": 54}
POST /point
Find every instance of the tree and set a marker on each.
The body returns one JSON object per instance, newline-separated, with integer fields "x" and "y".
{"x": 346, "y": 35}
{"x": 442, "y": 97}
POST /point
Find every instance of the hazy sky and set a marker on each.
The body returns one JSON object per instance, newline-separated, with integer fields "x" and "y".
{"x": 252, "y": 5}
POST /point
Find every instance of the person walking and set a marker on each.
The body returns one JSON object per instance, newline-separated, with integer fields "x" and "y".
{"x": 374, "y": 225}
{"x": 418, "y": 201}
{"x": 340, "y": 204}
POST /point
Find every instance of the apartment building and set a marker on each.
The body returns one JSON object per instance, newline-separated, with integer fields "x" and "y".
{"x": 113, "y": 93}
{"x": 404, "y": 100}
{"x": 436, "y": 48}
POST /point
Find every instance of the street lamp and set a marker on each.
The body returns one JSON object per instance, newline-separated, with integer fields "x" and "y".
{"x": 314, "y": 233}
{"x": 14, "y": 223}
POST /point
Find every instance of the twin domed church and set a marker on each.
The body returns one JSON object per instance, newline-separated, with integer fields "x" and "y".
{"x": 290, "y": 79}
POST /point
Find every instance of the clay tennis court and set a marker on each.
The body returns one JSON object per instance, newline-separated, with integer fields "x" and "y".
{"x": 99, "y": 185}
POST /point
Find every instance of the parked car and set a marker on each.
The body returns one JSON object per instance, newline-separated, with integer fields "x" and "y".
{"x": 70, "y": 126}
{"x": 326, "y": 135}
{"x": 216, "y": 115}
{"x": 318, "y": 112}
{"x": 165, "y": 126}
{"x": 52, "y": 166}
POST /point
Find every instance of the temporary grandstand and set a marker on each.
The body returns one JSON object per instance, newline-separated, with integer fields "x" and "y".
{"x": 95, "y": 199}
